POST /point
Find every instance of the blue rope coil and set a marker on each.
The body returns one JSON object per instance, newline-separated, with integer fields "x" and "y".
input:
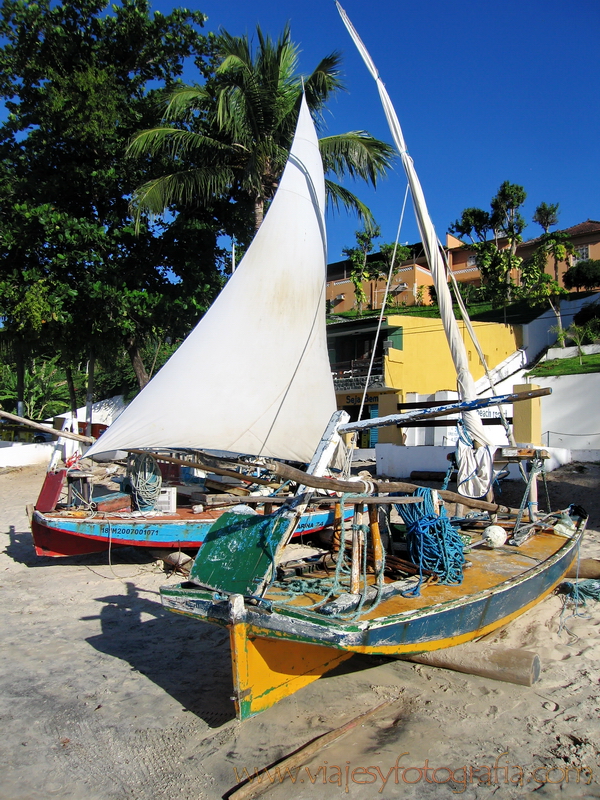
{"x": 433, "y": 542}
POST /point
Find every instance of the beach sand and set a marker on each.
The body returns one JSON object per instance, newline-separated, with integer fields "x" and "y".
{"x": 104, "y": 696}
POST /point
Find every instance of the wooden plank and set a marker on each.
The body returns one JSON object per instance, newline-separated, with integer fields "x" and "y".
{"x": 252, "y": 788}
{"x": 238, "y": 552}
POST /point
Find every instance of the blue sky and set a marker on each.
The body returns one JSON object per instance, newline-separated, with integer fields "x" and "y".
{"x": 485, "y": 92}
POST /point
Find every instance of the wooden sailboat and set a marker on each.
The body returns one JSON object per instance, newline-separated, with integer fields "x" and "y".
{"x": 266, "y": 393}
{"x": 289, "y": 627}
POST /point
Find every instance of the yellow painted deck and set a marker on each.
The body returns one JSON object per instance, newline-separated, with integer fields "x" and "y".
{"x": 487, "y": 569}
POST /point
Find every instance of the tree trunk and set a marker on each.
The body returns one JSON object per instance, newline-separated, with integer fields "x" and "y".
{"x": 89, "y": 399}
{"x": 559, "y": 325}
{"x": 259, "y": 212}
{"x": 72, "y": 395}
{"x": 137, "y": 363}
{"x": 20, "y": 365}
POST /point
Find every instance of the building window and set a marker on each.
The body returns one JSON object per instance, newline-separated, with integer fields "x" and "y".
{"x": 582, "y": 253}
{"x": 472, "y": 261}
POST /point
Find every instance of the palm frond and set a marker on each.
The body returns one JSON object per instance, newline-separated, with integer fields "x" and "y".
{"x": 177, "y": 142}
{"x": 357, "y": 154}
{"x": 183, "y": 100}
{"x": 187, "y": 187}
{"x": 338, "y": 195}
{"x": 323, "y": 82}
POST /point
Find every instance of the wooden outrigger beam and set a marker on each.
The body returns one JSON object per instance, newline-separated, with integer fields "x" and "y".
{"x": 227, "y": 473}
{"x": 383, "y": 487}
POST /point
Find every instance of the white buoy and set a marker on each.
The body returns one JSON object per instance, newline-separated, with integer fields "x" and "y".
{"x": 495, "y": 536}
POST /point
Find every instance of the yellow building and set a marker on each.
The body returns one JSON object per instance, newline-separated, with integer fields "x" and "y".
{"x": 412, "y": 356}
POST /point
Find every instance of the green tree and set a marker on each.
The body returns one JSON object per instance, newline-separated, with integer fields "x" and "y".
{"x": 578, "y": 334}
{"x": 546, "y": 215}
{"x": 497, "y": 257}
{"x": 361, "y": 269}
{"x": 230, "y": 137}
{"x": 474, "y": 224}
{"x": 46, "y": 392}
{"x": 539, "y": 288}
{"x": 77, "y": 83}
{"x": 391, "y": 257}
{"x": 589, "y": 317}
{"x": 584, "y": 274}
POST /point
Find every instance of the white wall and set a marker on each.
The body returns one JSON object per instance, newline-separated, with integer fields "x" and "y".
{"x": 20, "y": 454}
{"x": 571, "y": 414}
{"x": 537, "y": 334}
{"x": 395, "y": 461}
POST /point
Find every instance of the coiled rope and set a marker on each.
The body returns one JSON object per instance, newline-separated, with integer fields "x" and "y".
{"x": 433, "y": 542}
{"x": 146, "y": 480}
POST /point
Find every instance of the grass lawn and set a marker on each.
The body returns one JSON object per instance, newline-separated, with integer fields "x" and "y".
{"x": 567, "y": 366}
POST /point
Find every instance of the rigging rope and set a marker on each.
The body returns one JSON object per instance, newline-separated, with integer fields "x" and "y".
{"x": 336, "y": 585}
{"x": 352, "y": 445}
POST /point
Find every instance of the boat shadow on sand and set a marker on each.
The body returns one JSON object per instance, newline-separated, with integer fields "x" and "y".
{"x": 189, "y": 660}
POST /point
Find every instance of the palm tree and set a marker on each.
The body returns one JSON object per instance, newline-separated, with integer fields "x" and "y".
{"x": 230, "y": 137}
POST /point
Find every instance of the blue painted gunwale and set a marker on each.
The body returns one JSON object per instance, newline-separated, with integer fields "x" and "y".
{"x": 157, "y": 532}
{"x": 413, "y": 631}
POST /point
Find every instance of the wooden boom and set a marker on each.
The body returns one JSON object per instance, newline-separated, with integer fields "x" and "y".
{"x": 451, "y": 408}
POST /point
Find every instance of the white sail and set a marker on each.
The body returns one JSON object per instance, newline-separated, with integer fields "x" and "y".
{"x": 253, "y": 376}
{"x": 466, "y": 385}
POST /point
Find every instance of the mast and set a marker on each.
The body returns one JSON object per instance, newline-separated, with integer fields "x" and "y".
{"x": 431, "y": 245}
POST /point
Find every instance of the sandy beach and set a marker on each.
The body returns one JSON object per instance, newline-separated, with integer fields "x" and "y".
{"x": 105, "y": 696}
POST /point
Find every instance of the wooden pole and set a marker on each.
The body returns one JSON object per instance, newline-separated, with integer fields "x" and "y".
{"x": 356, "y": 549}
{"x": 52, "y": 431}
{"x": 338, "y": 527}
{"x": 252, "y": 788}
{"x": 513, "y": 666}
{"x": 228, "y": 473}
{"x": 336, "y": 485}
{"x": 376, "y": 539}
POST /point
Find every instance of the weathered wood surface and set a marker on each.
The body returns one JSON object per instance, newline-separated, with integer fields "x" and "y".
{"x": 587, "y": 568}
{"x": 452, "y": 408}
{"x": 337, "y": 485}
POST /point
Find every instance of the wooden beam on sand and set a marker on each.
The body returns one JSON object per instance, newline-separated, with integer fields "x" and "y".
{"x": 252, "y": 788}
{"x": 585, "y": 568}
{"x": 474, "y": 658}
